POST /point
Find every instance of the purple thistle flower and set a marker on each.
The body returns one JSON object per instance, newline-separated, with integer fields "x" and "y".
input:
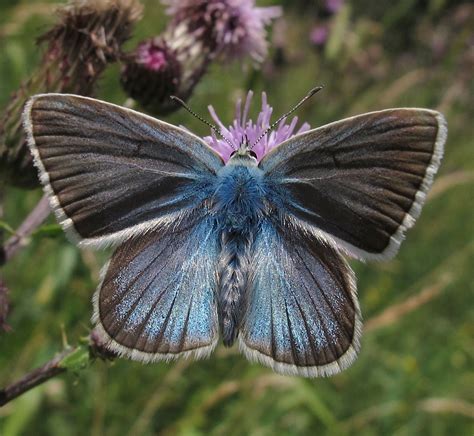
{"x": 243, "y": 129}
{"x": 319, "y": 34}
{"x": 152, "y": 56}
{"x": 230, "y": 28}
{"x": 333, "y": 6}
{"x": 152, "y": 73}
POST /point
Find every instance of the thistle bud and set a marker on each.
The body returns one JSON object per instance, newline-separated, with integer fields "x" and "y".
{"x": 151, "y": 74}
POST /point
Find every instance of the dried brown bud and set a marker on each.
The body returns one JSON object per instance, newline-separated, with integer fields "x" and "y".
{"x": 87, "y": 37}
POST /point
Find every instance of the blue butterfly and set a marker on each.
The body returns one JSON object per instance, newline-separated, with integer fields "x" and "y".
{"x": 247, "y": 250}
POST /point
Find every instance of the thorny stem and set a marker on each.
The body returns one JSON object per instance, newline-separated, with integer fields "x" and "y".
{"x": 4, "y": 301}
{"x": 71, "y": 359}
{"x": 14, "y": 244}
{"x": 29, "y": 225}
{"x": 33, "y": 379}
{"x": 4, "y": 307}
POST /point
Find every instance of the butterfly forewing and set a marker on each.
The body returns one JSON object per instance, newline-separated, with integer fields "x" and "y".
{"x": 360, "y": 181}
{"x": 111, "y": 172}
{"x": 302, "y": 316}
{"x": 157, "y": 298}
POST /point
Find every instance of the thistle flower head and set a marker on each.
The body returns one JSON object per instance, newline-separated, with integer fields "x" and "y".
{"x": 153, "y": 73}
{"x": 152, "y": 55}
{"x": 199, "y": 32}
{"x": 230, "y": 28}
{"x": 87, "y": 37}
{"x": 245, "y": 129}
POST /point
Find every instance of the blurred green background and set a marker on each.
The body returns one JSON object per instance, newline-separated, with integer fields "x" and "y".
{"x": 414, "y": 373}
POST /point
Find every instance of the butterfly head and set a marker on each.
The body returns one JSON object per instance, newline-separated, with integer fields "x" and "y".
{"x": 244, "y": 152}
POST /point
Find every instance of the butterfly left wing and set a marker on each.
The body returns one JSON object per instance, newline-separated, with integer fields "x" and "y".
{"x": 110, "y": 172}
{"x": 361, "y": 181}
{"x": 302, "y": 315}
{"x": 156, "y": 300}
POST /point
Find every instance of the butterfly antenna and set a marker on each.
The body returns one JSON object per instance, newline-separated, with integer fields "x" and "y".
{"x": 207, "y": 123}
{"x": 272, "y": 126}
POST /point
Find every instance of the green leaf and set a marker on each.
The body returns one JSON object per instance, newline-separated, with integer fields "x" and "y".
{"x": 48, "y": 230}
{"x": 22, "y": 413}
{"x": 77, "y": 360}
{"x": 5, "y": 226}
{"x": 338, "y": 33}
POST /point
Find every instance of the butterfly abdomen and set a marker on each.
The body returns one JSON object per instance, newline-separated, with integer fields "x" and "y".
{"x": 232, "y": 281}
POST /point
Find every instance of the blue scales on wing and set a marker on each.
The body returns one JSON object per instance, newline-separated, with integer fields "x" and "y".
{"x": 301, "y": 316}
{"x": 157, "y": 299}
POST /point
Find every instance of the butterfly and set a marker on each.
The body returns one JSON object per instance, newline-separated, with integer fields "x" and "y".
{"x": 248, "y": 250}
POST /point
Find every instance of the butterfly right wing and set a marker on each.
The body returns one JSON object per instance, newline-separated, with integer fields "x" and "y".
{"x": 156, "y": 300}
{"x": 110, "y": 172}
{"x": 361, "y": 181}
{"x": 302, "y": 316}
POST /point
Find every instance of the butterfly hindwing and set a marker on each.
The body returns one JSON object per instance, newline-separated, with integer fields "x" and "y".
{"x": 302, "y": 315}
{"x": 360, "y": 181}
{"x": 156, "y": 300}
{"x": 111, "y": 172}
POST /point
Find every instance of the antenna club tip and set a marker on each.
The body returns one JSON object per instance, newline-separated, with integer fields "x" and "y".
{"x": 315, "y": 90}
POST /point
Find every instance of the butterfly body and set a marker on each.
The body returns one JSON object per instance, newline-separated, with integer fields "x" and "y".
{"x": 245, "y": 249}
{"x": 239, "y": 204}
